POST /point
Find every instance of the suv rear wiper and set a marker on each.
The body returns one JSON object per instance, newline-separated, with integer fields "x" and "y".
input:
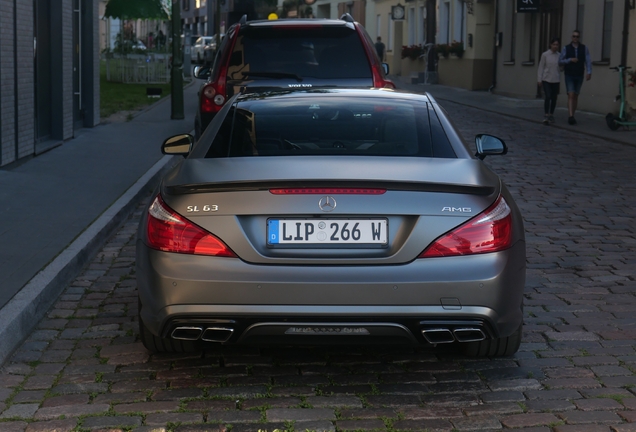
{"x": 272, "y": 75}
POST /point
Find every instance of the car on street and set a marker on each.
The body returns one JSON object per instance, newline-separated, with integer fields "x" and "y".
{"x": 209, "y": 52}
{"x": 198, "y": 47}
{"x": 331, "y": 216}
{"x": 290, "y": 54}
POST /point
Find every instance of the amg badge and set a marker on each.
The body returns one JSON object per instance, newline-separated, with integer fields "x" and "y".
{"x": 457, "y": 209}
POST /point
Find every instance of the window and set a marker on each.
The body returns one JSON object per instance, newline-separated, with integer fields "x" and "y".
{"x": 320, "y": 52}
{"x": 513, "y": 34}
{"x": 608, "y": 11}
{"x": 185, "y": 5}
{"x": 580, "y": 15}
{"x": 459, "y": 21}
{"x": 389, "y": 39}
{"x": 327, "y": 126}
{"x": 421, "y": 23}
{"x": 531, "y": 22}
{"x": 444, "y": 23}
{"x": 411, "y": 24}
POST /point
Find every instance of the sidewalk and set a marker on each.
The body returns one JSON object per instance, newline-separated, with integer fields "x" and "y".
{"x": 57, "y": 209}
{"x": 526, "y": 109}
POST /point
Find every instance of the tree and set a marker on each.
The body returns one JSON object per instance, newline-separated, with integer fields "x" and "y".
{"x": 138, "y": 9}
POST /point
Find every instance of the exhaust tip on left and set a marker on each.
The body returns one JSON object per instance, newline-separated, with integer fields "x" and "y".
{"x": 187, "y": 333}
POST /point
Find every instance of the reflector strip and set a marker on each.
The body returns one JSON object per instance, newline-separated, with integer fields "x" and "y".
{"x": 331, "y": 191}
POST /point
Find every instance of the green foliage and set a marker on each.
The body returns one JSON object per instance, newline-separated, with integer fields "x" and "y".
{"x": 413, "y": 52}
{"x": 116, "y": 97}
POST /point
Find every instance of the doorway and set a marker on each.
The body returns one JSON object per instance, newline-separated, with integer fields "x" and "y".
{"x": 42, "y": 67}
{"x": 78, "y": 109}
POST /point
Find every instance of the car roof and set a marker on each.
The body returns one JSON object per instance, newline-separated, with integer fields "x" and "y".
{"x": 349, "y": 92}
{"x": 299, "y": 22}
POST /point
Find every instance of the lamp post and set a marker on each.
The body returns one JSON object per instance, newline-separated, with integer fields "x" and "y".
{"x": 176, "y": 72}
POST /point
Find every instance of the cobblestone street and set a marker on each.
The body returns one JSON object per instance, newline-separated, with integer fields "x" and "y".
{"x": 85, "y": 369}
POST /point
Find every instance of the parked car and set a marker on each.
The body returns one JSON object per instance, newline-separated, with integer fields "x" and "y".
{"x": 335, "y": 216}
{"x": 193, "y": 39}
{"x": 289, "y": 53}
{"x": 210, "y": 50}
{"x": 198, "y": 47}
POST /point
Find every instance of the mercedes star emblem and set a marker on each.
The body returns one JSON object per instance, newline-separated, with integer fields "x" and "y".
{"x": 327, "y": 203}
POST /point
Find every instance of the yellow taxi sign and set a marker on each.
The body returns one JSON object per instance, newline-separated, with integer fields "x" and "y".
{"x": 272, "y": 16}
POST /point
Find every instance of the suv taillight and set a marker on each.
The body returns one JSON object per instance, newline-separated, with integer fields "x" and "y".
{"x": 489, "y": 231}
{"x": 168, "y": 231}
{"x": 378, "y": 79}
{"x": 212, "y": 99}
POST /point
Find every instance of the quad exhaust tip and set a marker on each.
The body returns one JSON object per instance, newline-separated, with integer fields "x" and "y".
{"x": 469, "y": 334}
{"x": 217, "y": 334}
{"x": 444, "y": 335}
{"x": 210, "y": 334}
{"x": 187, "y": 333}
{"x": 437, "y": 336}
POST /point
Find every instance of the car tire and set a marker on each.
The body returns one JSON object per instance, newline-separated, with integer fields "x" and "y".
{"x": 499, "y": 347}
{"x": 158, "y": 344}
{"x": 611, "y": 121}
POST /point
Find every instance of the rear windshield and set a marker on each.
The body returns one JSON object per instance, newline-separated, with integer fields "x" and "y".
{"x": 320, "y": 52}
{"x": 337, "y": 125}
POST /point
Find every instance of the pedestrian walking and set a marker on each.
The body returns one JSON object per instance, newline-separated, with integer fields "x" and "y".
{"x": 549, "y": 78}
{"x": 380, "y": 48}
{"x": 577, "y": 66}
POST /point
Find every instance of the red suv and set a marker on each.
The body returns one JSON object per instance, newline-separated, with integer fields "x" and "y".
{"x": 289, "y": 54}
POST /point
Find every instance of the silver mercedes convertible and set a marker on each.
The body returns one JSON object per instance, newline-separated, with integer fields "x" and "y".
{"x": 328, "y": 217}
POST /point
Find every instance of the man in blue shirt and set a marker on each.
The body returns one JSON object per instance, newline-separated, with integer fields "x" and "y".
{"x": 576, "y": 62}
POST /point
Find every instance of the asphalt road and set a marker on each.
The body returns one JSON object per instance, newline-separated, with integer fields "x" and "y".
{"x": 83, "y": 368}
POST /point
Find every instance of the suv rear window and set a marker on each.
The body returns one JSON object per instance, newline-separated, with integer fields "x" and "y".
{"x": 334, "y": 125}
{"x": 316, "y": 51}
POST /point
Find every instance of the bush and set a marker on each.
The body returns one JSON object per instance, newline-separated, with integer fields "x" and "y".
{"x": 443, "y": 49}
{"x": 631, "y": 78}
{"x": 413, "y": 52}
{"x": 457, "y": 48}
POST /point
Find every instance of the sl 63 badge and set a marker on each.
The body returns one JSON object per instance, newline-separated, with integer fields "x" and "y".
{"x": 206, "y": 208}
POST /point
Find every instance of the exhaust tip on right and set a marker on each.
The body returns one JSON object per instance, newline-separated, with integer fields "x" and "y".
{"x": 217, "y": 334}
{"x": 469, "y": 334}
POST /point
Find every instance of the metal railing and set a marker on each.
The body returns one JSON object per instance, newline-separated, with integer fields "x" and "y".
{"x": 148, "y": 68}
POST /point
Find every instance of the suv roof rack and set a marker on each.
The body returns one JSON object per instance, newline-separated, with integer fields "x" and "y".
{"x": 346, "y": 17}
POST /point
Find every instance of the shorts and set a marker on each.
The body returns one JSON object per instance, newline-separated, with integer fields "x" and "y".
{"x": 573, "y": 83}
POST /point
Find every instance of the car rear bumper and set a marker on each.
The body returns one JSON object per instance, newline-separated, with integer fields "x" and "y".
{"x": 261, "y": 301}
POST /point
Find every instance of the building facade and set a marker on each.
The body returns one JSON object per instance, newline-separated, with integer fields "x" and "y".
{"x": 525, "y": 36}
{"x": 498, "y": 43}
{"x": 49, "y": 74}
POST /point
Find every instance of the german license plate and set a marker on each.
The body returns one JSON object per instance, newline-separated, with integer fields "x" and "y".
{"x": 331, "y": 232}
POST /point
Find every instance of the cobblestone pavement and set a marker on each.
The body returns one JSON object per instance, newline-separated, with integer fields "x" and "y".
{"x": 84, "y": 368}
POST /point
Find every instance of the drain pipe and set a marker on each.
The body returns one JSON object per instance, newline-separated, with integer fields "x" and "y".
{"x": 625, "y": 34}
{"x": 494, "y": 50}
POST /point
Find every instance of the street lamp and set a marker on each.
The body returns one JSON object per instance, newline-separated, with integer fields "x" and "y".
{"x": 176, "y": 73}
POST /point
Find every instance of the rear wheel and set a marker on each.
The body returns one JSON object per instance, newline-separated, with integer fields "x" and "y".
{"x": 158, "y": 344}
{"x": 500, "y": 347}
{"x": 611, "y": 121}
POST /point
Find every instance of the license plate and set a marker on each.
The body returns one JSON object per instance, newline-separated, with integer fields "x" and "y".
{"x": 329, "y": 232}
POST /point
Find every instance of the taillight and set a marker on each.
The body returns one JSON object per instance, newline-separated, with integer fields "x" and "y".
{"x": 212, "y": 99}
{"x": 170, "y": 232}
{"x": 489, "y": 231}
{"x": 327, "y": 191}
{"x": 378, "y": 80}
